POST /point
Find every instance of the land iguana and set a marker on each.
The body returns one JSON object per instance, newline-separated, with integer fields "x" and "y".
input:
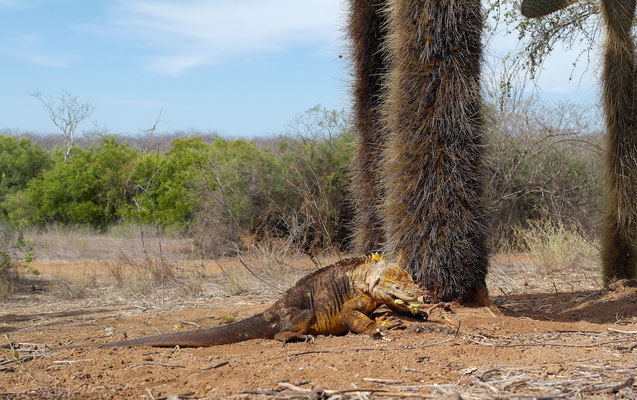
{"x": 330, "y": 301}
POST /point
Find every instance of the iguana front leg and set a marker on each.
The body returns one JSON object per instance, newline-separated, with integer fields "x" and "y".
{"x": 354, "y": 315}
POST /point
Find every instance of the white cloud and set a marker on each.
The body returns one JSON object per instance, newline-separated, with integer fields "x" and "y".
{"x": 10, "y": 3}
{"x": 29, "y": 48}
{"x": 191, "y": 33}
{"x": 28, "y": 4}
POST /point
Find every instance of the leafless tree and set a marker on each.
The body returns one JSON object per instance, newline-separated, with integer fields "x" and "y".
{"x": 66, "y": 112}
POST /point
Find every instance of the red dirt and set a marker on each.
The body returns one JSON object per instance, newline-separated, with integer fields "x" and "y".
{"x": 561, "y": 344}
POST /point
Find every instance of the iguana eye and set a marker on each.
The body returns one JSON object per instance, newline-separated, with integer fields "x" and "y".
{"x": 396, "y": 286}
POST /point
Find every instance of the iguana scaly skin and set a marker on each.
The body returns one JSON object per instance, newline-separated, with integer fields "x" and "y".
{"x": 330, "y": 301}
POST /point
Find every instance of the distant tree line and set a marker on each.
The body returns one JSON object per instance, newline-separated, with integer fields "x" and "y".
{"x": 297, "y": 186}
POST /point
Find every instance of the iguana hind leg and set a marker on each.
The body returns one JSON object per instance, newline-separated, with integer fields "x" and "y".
{"x": 297, "y": 327}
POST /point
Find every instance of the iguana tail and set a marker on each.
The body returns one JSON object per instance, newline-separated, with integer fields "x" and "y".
{"x": 255, "y": 327}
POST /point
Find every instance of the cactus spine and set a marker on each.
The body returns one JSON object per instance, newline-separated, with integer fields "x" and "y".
{"x": 367, "y": 30}
{"x": 619, "y": 253}
{"x": 433, "y": 210}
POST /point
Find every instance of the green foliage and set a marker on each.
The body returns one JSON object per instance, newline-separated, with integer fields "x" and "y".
{"x": 298, "y": 191}
{"x": 543, "y": 163}
{"x": 88, "y": 189}
{"x": 319, "y": 177}
{"x": 241, "y": 190}
{"x": 20, "y": 161}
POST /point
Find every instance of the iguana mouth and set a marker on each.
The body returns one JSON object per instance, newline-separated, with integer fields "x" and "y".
{"x": 403, "y": 300}
{"x": 412, "y": 305}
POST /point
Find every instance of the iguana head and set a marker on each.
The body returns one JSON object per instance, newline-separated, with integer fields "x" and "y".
{"x": 390, "y": 284}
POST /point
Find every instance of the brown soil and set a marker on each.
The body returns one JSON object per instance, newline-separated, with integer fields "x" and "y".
{"x": 559, "y": 338}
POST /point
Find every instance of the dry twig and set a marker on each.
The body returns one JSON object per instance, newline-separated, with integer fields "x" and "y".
{"x": 156, "y": 363}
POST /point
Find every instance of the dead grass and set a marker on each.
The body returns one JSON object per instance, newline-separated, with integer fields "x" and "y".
{"x": 545, "y": 257}
{"x": 142, "y": 262}
{"x": 141, "y": 274}
{"x": 542, "y": 255}
{"x": 273, "y": 265}
{"x": 79, "y": 244}
{"x": 72, "y": 288}
{"x": 6, "y": 285}
{"x": 556, "y": 247}
{"x": 138, "y": 259}
{"x": 192, "y": 281}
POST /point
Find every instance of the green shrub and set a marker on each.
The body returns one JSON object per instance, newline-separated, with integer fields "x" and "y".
{"x": 20, "y": 161}
{"x": 88, "y": 189}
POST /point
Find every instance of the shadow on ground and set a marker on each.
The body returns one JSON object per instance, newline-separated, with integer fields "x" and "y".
{"x": 595, "y": 306}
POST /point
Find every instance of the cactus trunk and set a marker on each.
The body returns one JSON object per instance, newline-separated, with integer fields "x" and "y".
{"x": 539, "y": 8}
{"x": 619, "y": 253}
{"x": 367, "y": 31}
{"x": 433, "y": 212}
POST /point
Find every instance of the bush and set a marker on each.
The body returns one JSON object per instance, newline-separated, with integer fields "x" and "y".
{"x": 15, "y": 252}
{"x": 90, "y": 188}
{"x": 6, "y": 265}
{"x": 162, "y": 184}
{"x": 20, "y": 162}
{"x": 299, "y": 189}
{"x": 544, "y": 164}
{"x": 320, "y": 179}
{"x": 241, "y": 190}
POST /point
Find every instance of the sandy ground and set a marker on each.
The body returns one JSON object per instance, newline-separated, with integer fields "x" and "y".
{"x": 559, "y": 339}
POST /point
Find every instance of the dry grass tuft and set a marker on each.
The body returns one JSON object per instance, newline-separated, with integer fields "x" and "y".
{"x": 72, "y": 288}
{"x": 237, "y": 280}
{"x": 272, "y": 264}
{"x": 6, "y": 283}
{"x": 555, "y": 247}
{"x": 142, "y": 274}
{"x": 191, "y": 281}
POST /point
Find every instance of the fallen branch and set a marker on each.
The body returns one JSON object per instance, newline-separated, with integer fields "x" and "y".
{"x": 11, "y": 361}
{"x": 369, "y": 349}
{"x": 378, "y": 380}
{"x": 547, "y": 344}
{"x": 221, "y": 364}
{"x": 424, "y": 345}
{"x": 629, "y": 382}
{"x": 319, "y": 394}
{"x": 617, "y": 330}
{"x": 159, "y": 364}
{"x": 71, "y": 361}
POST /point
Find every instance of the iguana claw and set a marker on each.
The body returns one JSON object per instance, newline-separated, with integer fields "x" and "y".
{"x": 388, "y": 322}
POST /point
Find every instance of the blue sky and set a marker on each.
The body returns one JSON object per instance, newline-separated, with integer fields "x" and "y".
{"x": 237, "y": 67}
